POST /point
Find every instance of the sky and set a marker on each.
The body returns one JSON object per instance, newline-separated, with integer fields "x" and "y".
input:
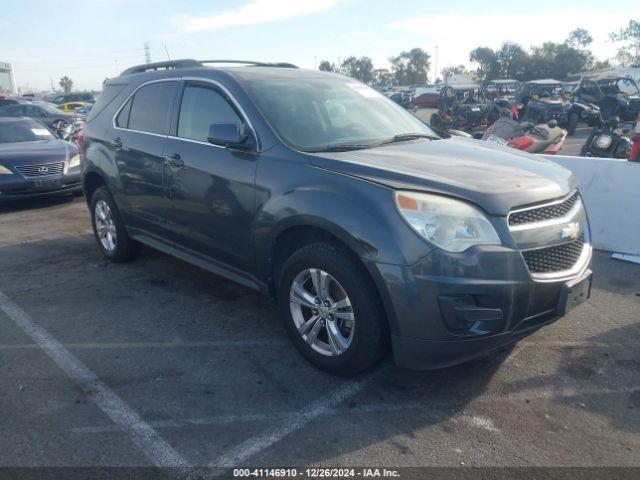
{"x": 89, "y": 40}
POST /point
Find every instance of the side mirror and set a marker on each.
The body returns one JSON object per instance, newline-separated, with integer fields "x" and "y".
{"x": 229, "y": 135}
{"x": 552, "y": 123}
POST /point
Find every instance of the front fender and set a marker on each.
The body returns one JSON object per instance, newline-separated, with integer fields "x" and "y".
{"x": 359, "y": 213}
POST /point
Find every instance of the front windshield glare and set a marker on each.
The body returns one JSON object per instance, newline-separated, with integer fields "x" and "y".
{"x": 315, "y": 114}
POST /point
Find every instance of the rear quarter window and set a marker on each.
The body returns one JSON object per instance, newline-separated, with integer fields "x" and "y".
{"x": 109, "y": 93}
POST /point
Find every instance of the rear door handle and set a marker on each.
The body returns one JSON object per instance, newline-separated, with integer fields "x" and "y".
{"x": 174, "y": 161}
{"x": 116, "y": 143}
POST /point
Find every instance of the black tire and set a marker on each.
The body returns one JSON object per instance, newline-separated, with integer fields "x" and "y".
{"x": 370, "y": 335}
{"x": 126, "y": 248}
{"x": 572, "y": 123}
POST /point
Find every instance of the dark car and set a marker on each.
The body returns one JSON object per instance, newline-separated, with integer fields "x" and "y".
{"x": 616, "y": 96}
{"x": 74, "y": 97}
{"x": 34, "y": 162}
{"x": 9, "y": 101}
{"x": 346, "y": 209}
{"x": 45, "y": 112}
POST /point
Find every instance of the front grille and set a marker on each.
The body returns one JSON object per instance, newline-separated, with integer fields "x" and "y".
{"x": 547, "y": 212}
{"x": 41, "y": 170}
{"x": 558, "y": 258}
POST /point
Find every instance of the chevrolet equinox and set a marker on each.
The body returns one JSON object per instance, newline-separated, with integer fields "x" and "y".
{"x": 366, "y": 228}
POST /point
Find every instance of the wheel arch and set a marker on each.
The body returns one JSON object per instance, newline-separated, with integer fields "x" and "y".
{"x": 294, "y": 237}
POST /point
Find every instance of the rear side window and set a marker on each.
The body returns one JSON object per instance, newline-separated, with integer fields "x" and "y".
{"x": 122, "y": 120}
{"x": 202, "y": 106}
{"x": 151, "y": 107}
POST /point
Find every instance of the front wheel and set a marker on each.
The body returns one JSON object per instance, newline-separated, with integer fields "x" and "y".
{"x": 331, "y": 309}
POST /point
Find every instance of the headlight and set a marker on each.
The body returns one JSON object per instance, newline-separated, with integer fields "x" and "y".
{"x": 603, "y": 142}
{"x": 5, "y": 171}
{"x": 449, "y": 224}
{"x": 75, "y": 161}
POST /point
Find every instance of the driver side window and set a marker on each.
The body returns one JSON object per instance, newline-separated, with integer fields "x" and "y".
{"x": 202, "y": 106}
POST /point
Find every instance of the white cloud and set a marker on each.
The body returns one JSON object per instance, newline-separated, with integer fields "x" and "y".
{"x": 253, "y": 13}
{"x": 456, "y": 34}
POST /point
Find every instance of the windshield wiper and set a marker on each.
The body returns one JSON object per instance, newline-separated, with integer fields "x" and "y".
{"x": 340, "y": 147}
{"x": 403, "y": 137}
{"x": 345, "y": 147}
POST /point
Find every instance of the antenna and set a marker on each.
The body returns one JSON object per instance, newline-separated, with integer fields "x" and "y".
{"x": 165, "y": 49}
{"x": 147, "y": 52}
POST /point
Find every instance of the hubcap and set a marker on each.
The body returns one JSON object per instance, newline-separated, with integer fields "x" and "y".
{"x": 322, "y": 312}
{"x": 105, "y": 226}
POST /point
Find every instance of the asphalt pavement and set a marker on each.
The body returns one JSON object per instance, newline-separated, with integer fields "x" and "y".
{"x": 156, "y": 362}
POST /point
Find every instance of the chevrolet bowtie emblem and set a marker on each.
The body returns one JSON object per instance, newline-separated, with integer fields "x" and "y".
{"x": 571, "y": 230}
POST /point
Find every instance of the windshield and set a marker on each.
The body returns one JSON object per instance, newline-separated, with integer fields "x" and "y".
{"x": 23, "y": 131}
{"x": 551, "y": 90}
{"x": 317, "y": 113}
{"x": 618, "y": 85}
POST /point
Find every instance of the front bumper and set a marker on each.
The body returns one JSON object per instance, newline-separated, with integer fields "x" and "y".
{"x": 451, "y": 308}
{"x": 16, "y": 187}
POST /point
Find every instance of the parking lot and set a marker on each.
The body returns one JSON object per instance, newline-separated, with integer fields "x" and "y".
{"x": 572, "y": 144}
{"x": 156, "y": 362}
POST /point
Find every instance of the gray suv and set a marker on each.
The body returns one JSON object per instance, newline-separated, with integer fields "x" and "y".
{"x": 367, "y": 229}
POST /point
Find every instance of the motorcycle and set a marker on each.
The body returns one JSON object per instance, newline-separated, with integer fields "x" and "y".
{"x": 609, "y": 141}
{"x": 544, "y": 138}
{"x": 68, "y": 132}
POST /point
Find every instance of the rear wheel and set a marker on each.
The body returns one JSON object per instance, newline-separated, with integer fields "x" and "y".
{"x": 109, "y": 230}
{"x": 331, "y": 310}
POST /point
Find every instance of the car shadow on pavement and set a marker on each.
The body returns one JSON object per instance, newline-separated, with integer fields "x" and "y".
{"x": 11, "y": 206}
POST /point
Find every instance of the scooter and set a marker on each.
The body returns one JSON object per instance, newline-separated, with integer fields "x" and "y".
{"x": 543, "y": 138}
{"x": 609, "y": 141}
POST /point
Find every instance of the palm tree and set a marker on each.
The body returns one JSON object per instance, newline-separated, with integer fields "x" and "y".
{"x": 66, "y": 83}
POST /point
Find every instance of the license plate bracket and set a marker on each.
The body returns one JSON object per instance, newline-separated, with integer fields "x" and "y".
{"x": 574, "y": 293}
{"x": 47, "y": 183}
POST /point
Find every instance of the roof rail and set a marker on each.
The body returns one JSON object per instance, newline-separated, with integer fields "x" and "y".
{"x": 190, "y": 63}
{"x": 172, "y": 64}
{"x": 252, "y": 63}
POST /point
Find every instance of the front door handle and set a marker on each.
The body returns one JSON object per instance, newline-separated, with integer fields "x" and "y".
{"x": 116, "y": 143}
{"x": 174, "y": 161}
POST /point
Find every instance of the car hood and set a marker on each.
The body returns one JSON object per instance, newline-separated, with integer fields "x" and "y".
{"x": 494, "y": 177}
{"x": 31, "y": 153}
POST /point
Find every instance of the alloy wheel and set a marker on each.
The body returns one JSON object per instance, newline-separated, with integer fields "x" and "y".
{"x": 322, "y": 312}
{"x": 105, "y": 226}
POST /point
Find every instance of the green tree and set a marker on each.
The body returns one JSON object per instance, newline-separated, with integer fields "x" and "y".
{"x": 629, "y": 53}
{"x": 359, "y": 68}
{"x": 382, "y": 78}
{"x": 412, "y": 67}
{"x": 66, "y": 84}
{"x": 485, "y": 58}
{"x": 579, "y": 38}
{"x": 512, "y": 61}
{"x": 327, "y": 66}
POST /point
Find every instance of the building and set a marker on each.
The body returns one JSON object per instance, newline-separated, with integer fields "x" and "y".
{"x": 7, "y": 85}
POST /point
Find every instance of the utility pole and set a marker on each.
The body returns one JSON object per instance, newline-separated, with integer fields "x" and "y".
{"x": 315, "y": 62}
{"x": 147, "y": 52}
{"x": 435, "y": 75}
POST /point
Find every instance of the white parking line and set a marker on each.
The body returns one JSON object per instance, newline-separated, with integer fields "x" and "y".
{"x": 289, "y": 424}
{"x": 143, "y": 435}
